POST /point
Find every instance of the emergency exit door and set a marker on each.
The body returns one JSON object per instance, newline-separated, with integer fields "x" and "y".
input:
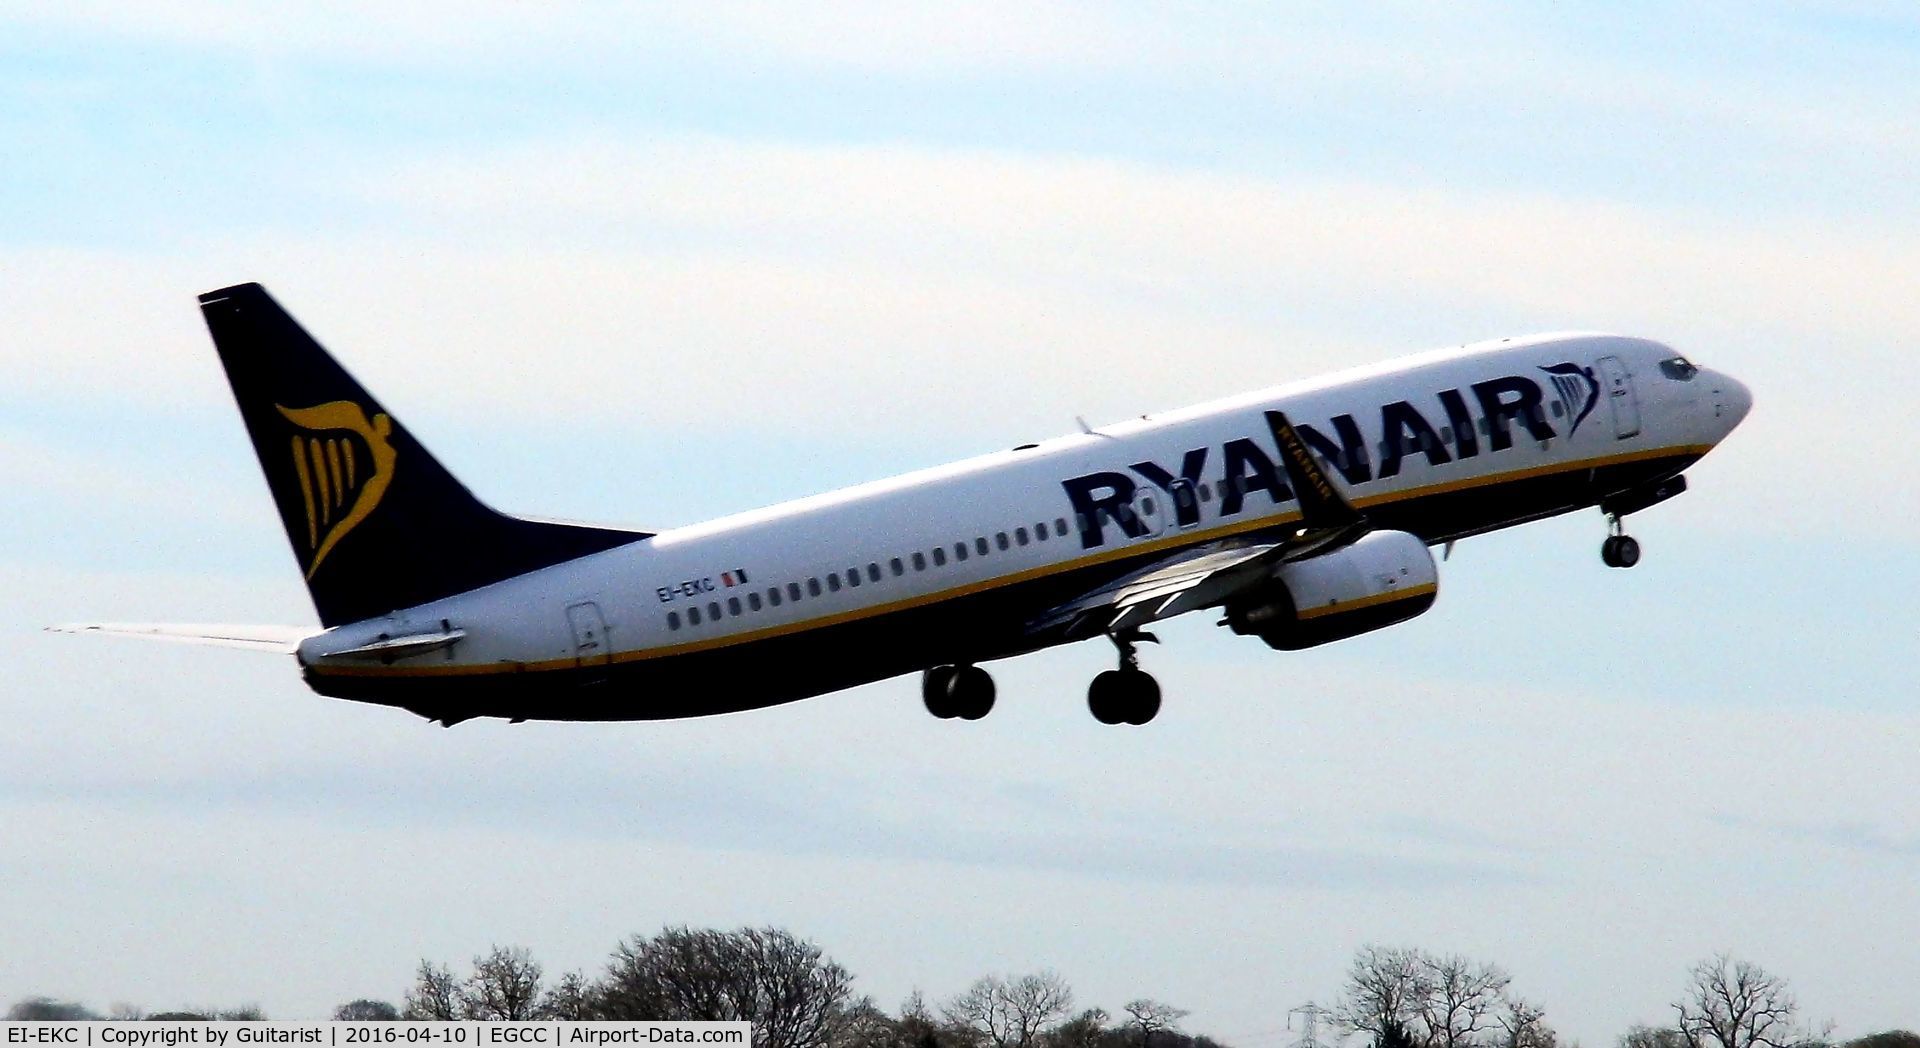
{"x": 590, "y": 646}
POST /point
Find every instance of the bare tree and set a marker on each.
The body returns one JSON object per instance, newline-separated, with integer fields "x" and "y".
{"x": 782, "y": 984}
{"x": 978, "y": 1014}
{"x": 1523, "y": 1025}
{"x": 1887, "y": 1039}
{"x": 1640, "y": 1036}
{"x": 570, "y": 999}
{"x": 918, "y": 1028}
{"x": 1736, "y": 1004}
{"x": 1150, "y": 1016}
{"x": 366, "y": 1010}
{"x": 504, "y": 986}
{"x": 864, "y": 1024}
{"x": 1458, "y": 998}
{"x": 1087, "y": 1030}
{"x": 435, "y": 994}
{"x": 1384, "y": 991}
{"x": 1011, "y": 1012}
{"x": 48, "y": 1010}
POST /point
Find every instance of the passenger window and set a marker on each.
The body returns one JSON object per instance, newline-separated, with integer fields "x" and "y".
{"x": 813, "y": 587}
{"x": 1001, "y": 541}
{"x": 833, "y": 581}
{"x": 1206, "y": 492}
{"x": 1060, "y": 526}
{"x": 959, "y": 551}
{"x": 899, "y": 569}
{"x": 853, "y": 576}
{"x": 1040, "y": 531}
{"x": 1020, "y": 535}
{"x": 773, "y": 596}
{"x": 793, "y": 591}
{"x": 753, "y": 601}
{"x": 713, "y": 610}
{"x": 939, "y": 557}
{"x": 673, "y": 620}
{"x": 980, "y": 545}
{"x": 1446, "y": 434}
{"x": 693, "y": 616}
{"x": 873, "y": 573}
{"x": 733, "y": 605}
{"x": 1146, "y": 505}
{"x": 920, "y": 561}
{"x": 1486, "y": 426}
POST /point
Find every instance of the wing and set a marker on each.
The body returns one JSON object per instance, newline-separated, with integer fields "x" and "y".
{"x": 1186, "y": 581}
{"x": 281, "y": 639}
{"x": 1211, "y": 574}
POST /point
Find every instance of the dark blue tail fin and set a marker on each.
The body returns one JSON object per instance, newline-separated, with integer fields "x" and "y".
{"x": 375, "y": 521}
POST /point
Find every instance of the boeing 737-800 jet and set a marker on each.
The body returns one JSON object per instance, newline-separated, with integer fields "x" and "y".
{"x": 1301, "y": 514}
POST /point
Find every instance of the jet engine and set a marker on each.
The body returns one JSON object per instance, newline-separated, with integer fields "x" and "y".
{"x": 1383, "y": 578}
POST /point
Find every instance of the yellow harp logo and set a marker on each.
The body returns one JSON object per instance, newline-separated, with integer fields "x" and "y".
{"x": 340, "y": 490}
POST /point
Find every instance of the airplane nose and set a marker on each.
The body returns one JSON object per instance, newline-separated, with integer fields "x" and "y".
{"x": 1732, "y": 400}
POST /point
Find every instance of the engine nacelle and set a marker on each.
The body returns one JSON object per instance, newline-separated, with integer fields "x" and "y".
{"x": 1384, "y": 578}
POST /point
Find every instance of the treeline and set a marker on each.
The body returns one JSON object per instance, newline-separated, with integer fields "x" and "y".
{"x": 797, "y": 997}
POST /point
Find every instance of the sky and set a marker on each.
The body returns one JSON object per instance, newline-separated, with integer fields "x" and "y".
{"x": 651, "y": 264}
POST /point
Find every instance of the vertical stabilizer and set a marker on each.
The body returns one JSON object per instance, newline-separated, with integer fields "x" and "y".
{"x": 375, "y": 521}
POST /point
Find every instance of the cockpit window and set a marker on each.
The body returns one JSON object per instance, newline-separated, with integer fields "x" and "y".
{"x": 1679, "y": 368}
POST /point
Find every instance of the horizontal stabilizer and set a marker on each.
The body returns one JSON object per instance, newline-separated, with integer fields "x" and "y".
{"x": 281, "y": 639}
{"x": 389, "y": 648}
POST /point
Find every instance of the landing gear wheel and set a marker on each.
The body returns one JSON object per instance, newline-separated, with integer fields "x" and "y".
{"x": 1145, "y": 698}
{"x": 1620, "y": 551}
{"x": 936, "y": 690}
{"x": 966, "y": 692}
{"x": 972, "y": 689}
{"x": 1107, "y": 698}
{"x": 1127, "y": 695}
{"x": 1123, "y": 697}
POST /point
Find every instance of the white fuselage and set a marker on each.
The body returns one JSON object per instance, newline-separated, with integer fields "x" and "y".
{"x": 914, "y": 542}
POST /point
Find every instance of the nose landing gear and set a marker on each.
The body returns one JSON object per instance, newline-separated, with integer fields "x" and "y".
{"x": 1128, "y": 695}
{"x": 1620, "y": 550}
{"x": 965, "y": 692}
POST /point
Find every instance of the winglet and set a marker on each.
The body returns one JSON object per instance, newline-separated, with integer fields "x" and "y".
{"x": 1321, "y": 504}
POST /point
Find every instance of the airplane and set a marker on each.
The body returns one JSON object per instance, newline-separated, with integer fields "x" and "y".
{"x": 1301, "y": 514}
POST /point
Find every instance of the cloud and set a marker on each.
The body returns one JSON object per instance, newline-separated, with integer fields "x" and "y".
{"x": 696, "y": 290}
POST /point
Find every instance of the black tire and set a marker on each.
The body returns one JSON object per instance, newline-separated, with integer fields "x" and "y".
{"x": 1143, "y": 697}
{"x": 936, "y": 690}
{"x": 1107, "y": 697}
{"x": 1626, "y": 551}
{"x": 1609, "y": 551}
{"x": 973, "y": 691}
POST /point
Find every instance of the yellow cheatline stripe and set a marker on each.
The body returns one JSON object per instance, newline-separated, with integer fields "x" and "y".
{"x": 1368, "y": 602}
{"x": 1184, "y": 538}
{"x": 306, "y": 490}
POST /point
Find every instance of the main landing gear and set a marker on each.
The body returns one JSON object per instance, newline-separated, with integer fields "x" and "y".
{"x": 1128, "y": 695}
{"x": 965, "y": 692}
{"x": 1620, "y": 550}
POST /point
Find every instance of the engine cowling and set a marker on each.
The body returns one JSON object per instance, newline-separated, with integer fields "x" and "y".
{"x": 1384, "y": 578}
